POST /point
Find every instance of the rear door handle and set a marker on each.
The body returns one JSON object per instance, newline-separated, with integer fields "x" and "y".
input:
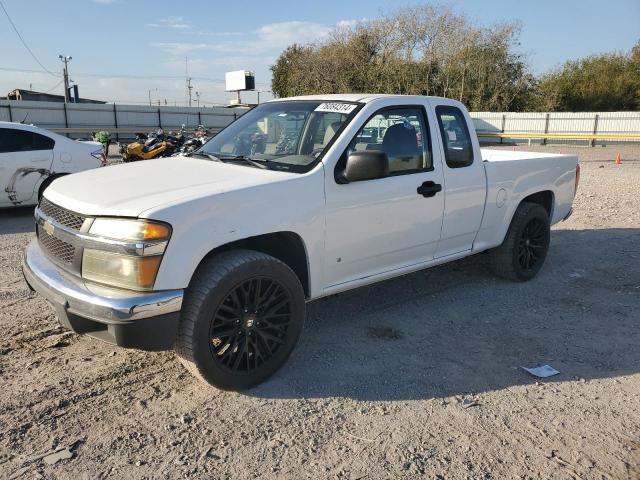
{"x": 429, "y": 189}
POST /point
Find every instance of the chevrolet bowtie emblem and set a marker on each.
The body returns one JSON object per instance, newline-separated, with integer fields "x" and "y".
{"x": 48, "y": 227}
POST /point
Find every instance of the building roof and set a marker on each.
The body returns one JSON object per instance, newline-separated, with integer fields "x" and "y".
{"x": 24, "y": 94}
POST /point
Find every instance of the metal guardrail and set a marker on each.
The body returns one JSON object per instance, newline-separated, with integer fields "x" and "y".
{"x": 562, "y": 136}
{"x": 590, "y": 138}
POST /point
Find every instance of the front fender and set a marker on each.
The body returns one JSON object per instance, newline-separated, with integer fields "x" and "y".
{"x": 204, "y": 224}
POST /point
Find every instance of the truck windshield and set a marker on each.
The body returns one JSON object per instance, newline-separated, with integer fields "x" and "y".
{"x": 288, "y": 135}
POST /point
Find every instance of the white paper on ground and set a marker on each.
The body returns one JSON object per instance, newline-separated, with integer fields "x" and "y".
{"x": 542, "y": 372}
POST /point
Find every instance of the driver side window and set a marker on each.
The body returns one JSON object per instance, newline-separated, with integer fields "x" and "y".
{"x": 402, "y": 134}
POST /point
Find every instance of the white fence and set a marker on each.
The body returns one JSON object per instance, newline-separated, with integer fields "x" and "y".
{"x": 601, "y": 127}
{"x": 123, "y": 121}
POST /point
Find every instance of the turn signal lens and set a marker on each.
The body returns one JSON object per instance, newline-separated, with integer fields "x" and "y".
{"x": 132, "y": 273}
{"x": 130, "y": 229}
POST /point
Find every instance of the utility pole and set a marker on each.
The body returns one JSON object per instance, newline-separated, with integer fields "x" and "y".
{"x": 262, "y": 91}
{"x": 151, "y": 90}
{"x": 65, "y": 59}
{"x": 189, "y": 88}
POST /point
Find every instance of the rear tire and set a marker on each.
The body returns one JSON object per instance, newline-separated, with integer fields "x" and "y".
{"x": 525, "y": 247}
{"x": 241, "y": 318}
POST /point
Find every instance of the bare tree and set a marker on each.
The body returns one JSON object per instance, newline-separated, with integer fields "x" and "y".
{"x": 423, "y": 50}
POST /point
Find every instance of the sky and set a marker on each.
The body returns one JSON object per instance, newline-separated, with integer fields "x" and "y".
{"x": 128, "y": 50}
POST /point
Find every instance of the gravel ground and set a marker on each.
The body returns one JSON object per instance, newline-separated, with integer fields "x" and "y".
{"x": 416, "y": 377}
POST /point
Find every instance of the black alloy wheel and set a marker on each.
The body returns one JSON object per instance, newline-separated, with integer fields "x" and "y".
{"x": 250, "y": 324}
{"x": 533, "y": 244}
{"x": 241, "y": 318}
{"x": 524, "y": 248}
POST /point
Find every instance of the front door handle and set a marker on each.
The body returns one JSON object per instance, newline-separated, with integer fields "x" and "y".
{"x": 429, "y": 189}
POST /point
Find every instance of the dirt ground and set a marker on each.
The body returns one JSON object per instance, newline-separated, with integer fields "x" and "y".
{"x": 417, "y": 377}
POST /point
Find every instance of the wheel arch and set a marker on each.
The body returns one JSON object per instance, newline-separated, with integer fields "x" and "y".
{"x": 496, "y": 222}
{"x": 47, "y": 181}
{"x": 286, "y": 246}
{"x": 545, "y": 198}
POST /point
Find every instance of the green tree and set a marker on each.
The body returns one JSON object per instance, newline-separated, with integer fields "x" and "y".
{"x": 288, "y": 71}
{"x": 607, "y": 82}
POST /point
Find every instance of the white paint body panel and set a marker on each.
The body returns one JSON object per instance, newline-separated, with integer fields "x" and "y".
{"x": 377, "y": 229}
{"x": 521, "y": 174}
{"x": 67, "y": 156}
{"x": 379, "y": 225}
{"x": 465, "y": 192}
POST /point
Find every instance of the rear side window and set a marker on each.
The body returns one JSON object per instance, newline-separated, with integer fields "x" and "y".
{"x": 458, "y": 150}
{"x": 40, "y": 142}
{"x": 15, "y": 140}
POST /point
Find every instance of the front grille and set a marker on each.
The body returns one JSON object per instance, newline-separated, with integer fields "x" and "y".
{"x": 56, "y": 248}
{"x": 60, "y": 215}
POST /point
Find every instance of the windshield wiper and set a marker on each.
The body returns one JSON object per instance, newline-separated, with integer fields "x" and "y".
{"x": 204, "y": 155}
{"x": 258, "y": 163}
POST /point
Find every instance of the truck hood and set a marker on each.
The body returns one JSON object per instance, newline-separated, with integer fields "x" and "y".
{"x": 133, "y": 188}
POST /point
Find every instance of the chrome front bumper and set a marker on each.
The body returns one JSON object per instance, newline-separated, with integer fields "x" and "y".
{"x": 130, "y": 319}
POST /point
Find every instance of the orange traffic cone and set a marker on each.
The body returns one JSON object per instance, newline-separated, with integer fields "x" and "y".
{"x": 618, "y": 159}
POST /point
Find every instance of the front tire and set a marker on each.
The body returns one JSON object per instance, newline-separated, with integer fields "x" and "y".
{"x": 241, "y": 318}
{"x": 525, "y": 247}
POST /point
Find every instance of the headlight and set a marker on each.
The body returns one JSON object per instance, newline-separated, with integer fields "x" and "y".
{"x": 134, "y": 273}
{"x": 129, "y": 229}
{"x": 134, "y": 261}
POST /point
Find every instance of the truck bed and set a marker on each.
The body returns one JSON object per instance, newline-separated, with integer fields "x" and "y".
{"x": 515, "y": 175}
{"x": 503, "y": 155}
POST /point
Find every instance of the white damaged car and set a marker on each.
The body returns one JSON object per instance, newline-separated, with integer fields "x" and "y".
{"x": 31, "y": 158}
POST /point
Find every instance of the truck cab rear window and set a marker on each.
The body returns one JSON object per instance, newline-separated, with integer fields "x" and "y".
{"x": 458, "y": 149}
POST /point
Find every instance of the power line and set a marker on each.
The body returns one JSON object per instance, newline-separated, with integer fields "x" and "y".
{"x": 54, "y": 87}
{"x": 24, "y": 42}
{"x": 121, "y": 75}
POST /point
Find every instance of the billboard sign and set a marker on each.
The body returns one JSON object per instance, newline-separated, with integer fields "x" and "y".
{"x": 239, "y": 80}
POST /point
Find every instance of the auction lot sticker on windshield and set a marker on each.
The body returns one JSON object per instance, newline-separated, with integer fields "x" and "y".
{"x": 345, "y": 108}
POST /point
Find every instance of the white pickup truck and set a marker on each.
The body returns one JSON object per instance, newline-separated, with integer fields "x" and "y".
{"x": 215, "y": 254}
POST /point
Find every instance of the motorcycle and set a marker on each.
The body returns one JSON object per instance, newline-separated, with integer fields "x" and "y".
{"x": 194, "y": 142}
{"x": 151, "y": 146}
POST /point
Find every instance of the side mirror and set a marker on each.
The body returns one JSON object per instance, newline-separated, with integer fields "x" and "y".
{"x": 365, "y": 165}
